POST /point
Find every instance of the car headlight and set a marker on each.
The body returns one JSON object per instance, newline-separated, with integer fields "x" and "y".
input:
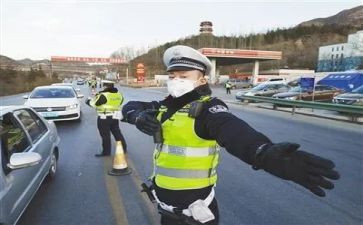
{"x": 74, "y": 106}
{"x": 250, "y": 94}
{"x": 291, "y": 98}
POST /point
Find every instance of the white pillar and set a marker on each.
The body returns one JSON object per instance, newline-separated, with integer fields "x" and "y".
{"x": 255, "y": 72}
{"x": 213, "y": 75}
{"x": 127, "y": 75}
{"x": 217, "y": 75}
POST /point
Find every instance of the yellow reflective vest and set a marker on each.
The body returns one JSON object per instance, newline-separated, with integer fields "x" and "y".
{"x": 114, "y": 100}
{"x": 184, "y": 160}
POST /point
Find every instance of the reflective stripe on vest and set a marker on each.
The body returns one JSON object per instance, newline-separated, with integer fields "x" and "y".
{"x": 184, "y": 160}
{"x": 187, "y": 151}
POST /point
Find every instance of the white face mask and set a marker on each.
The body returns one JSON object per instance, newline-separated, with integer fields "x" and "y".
{"x": 178, "y": 87}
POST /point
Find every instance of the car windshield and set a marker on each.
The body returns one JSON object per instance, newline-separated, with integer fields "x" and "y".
{"x": 297, "y": 89}
{"x": 53, "y": 93}
{"x": 259, "y": 87}
{"x": 358, "y": 90}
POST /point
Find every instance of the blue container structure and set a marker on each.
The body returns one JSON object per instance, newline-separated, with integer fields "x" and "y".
{"x": 346, "y": 81}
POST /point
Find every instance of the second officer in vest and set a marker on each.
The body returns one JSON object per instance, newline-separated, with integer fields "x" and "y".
{"x": 108, "y": 103}
{"x": 193, "y": 125}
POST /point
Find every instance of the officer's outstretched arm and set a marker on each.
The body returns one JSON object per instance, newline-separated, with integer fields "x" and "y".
{"x": 235, "y": 135}
{"x": 132, "y": 109}
{"x": 143, "y": 115}
{"x": 98, "y": 100}
{"x": 282, "y": 159}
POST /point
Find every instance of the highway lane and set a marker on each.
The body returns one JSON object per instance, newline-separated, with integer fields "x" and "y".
{"x": 83, "y": 194}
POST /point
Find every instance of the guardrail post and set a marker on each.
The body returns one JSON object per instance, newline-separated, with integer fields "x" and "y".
{"x": 274, "y": 107}
{"x": 293, "y": 110}
{"x": 354, "y": 118}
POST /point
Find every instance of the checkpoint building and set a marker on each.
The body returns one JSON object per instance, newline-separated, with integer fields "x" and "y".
{"x": 227, "y": 57}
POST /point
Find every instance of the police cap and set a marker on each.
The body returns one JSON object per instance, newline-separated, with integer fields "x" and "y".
{"x": 182, "y": 58}
{"x": 107, "y": 82}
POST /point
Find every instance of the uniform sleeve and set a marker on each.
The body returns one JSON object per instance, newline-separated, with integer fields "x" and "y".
{"x": 133, "y": 108}
{"x": 230, "y": 132}
{"x": 101, "y": 100}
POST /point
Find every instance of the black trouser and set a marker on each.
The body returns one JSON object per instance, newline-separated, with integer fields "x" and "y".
{"x": 105, "y": 127}
{"x": 182, "y": 199}
{"x": 228, "y": 90}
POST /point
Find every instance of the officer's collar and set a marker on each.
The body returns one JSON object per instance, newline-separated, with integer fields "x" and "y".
{"x": 110, "y": 89}
{"x": 189, "y": 97}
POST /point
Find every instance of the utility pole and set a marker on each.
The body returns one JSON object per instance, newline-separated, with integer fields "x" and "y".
{"x": 51, "y": 69}
{"x": 127, "y": 75}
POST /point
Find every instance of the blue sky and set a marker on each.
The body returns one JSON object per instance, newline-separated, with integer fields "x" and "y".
{"x": 38, "y": 29}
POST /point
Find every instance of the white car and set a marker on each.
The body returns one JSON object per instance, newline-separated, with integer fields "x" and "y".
{"x": 77, "y": 90}
{"x": 55, "y": 102}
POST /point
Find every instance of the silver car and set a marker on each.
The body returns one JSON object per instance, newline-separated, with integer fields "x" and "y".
{"x": 267, "y": 89}
{"x": 29, "y": 154}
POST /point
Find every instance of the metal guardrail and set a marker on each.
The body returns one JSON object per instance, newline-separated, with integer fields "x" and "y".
{"x": 351, "y": 109}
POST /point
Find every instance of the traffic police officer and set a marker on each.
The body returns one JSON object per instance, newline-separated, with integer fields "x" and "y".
{"x": 193, "y": 125}
{"x": 107, "y": 103}
{"x": 228, "y": 87}
{"x": 93, "y": 85}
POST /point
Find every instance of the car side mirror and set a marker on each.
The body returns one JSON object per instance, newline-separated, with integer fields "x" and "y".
{"x": 23, "y": 160}
{"x": 25, "y": 96}
{"x": 80, "y": 96}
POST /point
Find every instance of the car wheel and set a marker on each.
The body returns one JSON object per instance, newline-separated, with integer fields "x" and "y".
{"x": 53, "y": 166}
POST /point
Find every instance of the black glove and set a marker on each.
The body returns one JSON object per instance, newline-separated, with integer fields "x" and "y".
{"x": 146, "y": 122}
{"x": 88, "y": 101}
{"x": 308, "y": 170}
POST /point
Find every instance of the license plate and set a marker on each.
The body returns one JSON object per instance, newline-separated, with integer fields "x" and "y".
{"x": 49, "y": 114}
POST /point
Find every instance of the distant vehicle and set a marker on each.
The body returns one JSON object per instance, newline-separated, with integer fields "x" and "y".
{"x": 354, "y": 97}
{"x": 294, "y": 82}
{"x": 29, "y": 154}
{"x": 80, "y": 82}
{"x": 322, "y": 93}
{"x": 55, "y": 102}
{"x": 264, "y": 80}
{"x": 77, "y": 90}
{"x": 276, "y": 79}
{"x": 239, "y": 84}
{"x": 264, "y": 89}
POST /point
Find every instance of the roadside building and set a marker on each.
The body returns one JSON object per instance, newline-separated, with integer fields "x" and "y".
{"x": 343, "y": 56}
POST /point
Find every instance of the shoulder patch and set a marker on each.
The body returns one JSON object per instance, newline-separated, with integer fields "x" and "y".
{"x": 218, "y": 109}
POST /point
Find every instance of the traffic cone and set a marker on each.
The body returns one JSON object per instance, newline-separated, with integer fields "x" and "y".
{"x": 119, "y": 167}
